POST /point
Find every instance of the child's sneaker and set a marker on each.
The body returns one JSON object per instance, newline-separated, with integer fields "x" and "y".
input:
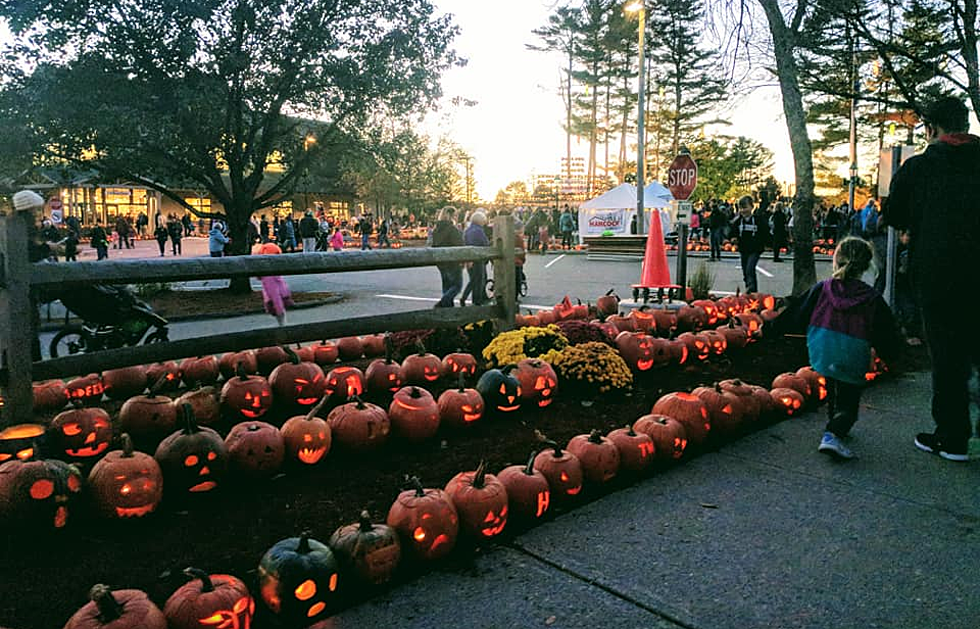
{"x": 929, "y": 442}
{"x": 831, "y": 444}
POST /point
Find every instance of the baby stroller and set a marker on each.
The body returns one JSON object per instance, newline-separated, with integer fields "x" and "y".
{"x": 112, "y": 316}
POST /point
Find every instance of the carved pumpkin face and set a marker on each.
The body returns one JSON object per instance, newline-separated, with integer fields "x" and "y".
{"x": 193, "y": 460}
{"x": 538, "y": 382}
{"x": 126, "y": 484}
{"x": 459, "y": 363}
{"x": 500, "y": 390}
{"x": 216, "y": 601}
{"x": 343, "y": 383}
{"x": 373, "y": 550}
{"x": 298, "y": 579}
{"x": 562, "y": 470}
{"x": 255, "y": 448}
{"x": 637, "y": 350}
{"x": 307, "y": 438}
{"x": 383, "y": 375}
{"x": 422, "y": 368}
{"x": 83, "y": 433}
{"x": 789, "y": 400}
{"x": 414, "y": 414}
{"x": 21, "y": 442}
{"x": 426, "y": 520}
{"x": 297, "y": 382}
{"x": 359, "y": 426}
{"x": 37, "y": 493}
{"x": 481, "y": 502}
{"x": 247, "y": 397}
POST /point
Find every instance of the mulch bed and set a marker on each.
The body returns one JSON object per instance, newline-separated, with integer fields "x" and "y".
{"x": 47, "y": 577}
{"x": 188, "y": 303}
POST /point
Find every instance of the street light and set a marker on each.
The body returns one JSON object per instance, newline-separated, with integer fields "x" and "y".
{"x": 637, "y": 6}
{"x": 308, "y": 141}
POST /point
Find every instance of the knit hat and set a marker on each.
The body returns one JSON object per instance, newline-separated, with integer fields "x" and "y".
{"x": 27, "y": 200}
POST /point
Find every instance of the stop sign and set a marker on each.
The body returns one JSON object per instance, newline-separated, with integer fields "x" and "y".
{"x": 54, "y": 204}
{"x": 682, "y": 177}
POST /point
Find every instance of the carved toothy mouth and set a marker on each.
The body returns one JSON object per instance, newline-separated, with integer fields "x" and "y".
{"x": 133, "y": 512}
{"x": 310, "y": 455}
{"x": 307, "y": 401}
{"x": 644, "y": 365}
{"x": 88, "y": 451}
{"x": 207, "y": 485}
{"x": 545, "y": 402}
{"x": 253, "y": 414}
{"x": 60, "y": 517}
{"x": 470, "y": 417}
{"x": 507, "y": 409}
{"x": 573, "y": 491}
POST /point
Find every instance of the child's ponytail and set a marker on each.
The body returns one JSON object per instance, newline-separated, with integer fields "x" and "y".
{"x": 852, "y": 258}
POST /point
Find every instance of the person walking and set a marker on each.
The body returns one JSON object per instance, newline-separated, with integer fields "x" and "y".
{"x": 566, "y": 224}
{"x": 337, "y": 240}
{"x": 71, "y": 246}
{"x": 276, "y": 296}
{"x": 718, "y": 224}
{"x": 287, "y": 234}
{"x": 366, "y": 226}
{"x": 475, "y": 236}
{"x": 935, "y": 196}
{"x": 844, "y": 319}
{"x": 778, "y": 223}
{"x": 752, "y": 234}
{"x": 161, "y": 235}
{"x": 383, "y": 239}
{"x": 100, "y": 240}
{"x": 264, "y": 229}
{"x": 121, "y": 232}
{"x": 445, "y": 234}
{"x": 175, "y": 229}
{"x": 307, "y": 231}
{"x": 217, "y": 239}
{"x": 141, "y": 222}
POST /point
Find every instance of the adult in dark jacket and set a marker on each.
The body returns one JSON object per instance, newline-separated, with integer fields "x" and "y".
{"x": 161, "y": 234}
{"x": 445, "y": 234}
{"x": 718, "y": 224}
{"x": 936, "y": 197}
{"x": 100, "y": 240}
{"x": 475, "y": 236}
{"x": 779, "y": 234}
{"x": 176, "y": 230}
{"x": 308, "y": 227}
{"x": 752, "y": 232}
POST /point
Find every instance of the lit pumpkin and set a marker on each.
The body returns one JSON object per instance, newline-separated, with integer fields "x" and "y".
{"x": 298, "y": 580}
{"x": 22, "y": 442}
{"x": 369, "y": 550}
{"x": 49, "y": 395}
{"x": 546, "y": 317}
{"x": 564, "y": 310}
{"x": 295, "y": 382}
{"x": 426, "y": 521}
{"x": 691, "y": 318}
{"x": 193, "y": 459}
{"x": 373, "y": 345}
{"x": 698, "y": 346}
{"x": 717, "y": 342}
{"x": 126, "y": 483}
{"x": 148, "y": 417}
{"x": 458, "y": 363}
{"x": 37, "y": 493}
{"x": 528, "y": 493}
{"x": 87, "y": 389}
{"x": 82, "y": 433}
{"x": 788, "y": 401}
{"x": 736, "y": 336}
{"x": 350, "y": 348}
{"x": 753, "y": 324}
{"x": 421, "y": 368}
{"x": 817, "y": 383}
{"x": 167, "y": 374}
{"x": 790, "y": 380}
{"x": 359, "y": 426}
{"x": 307, "y": 437}
{"x": 688, "y": 410}
{"x": 306, "y": 354}
{"x": 643, "y": 320}
{"x": 384, "y": 374}
{"x": 538, "y": 381}
{"x": 461, "y": 406}
{"x": 344, "y": 383}
{"x": 414, "y": 414}
{"x": 125, "y": 382}
{"x": 325, "y": 353}
{"x": 710, "y": 309}
{"x": 122, "y": 609}
{"x": 724, "y": 409}
{"x": 677, "y": 350}
{"x": 636, "y": 449}
{"x": 637, "y": 349}
{"x": 621, "y": 323}
{"x": 210, "y": 600}
{"x": 480, "y": 500}
{"x": 764, "y": 398}
{"x": 665, "y": 318}
{"x": 202, "y": 370}
{"x": 268, "y": 358}
{"x": 255, "y": 448}
{"x": 608, "y": 304}
{"x": 500, "y": 390}
{"x": 204, "y": 402}
{"x": 751, "y": 404}
{"x": 246, "y": 397}
{"x": 598, "y": 456}
{"x": 562, "y": 469}
{"x": 228, "y": 364}
{"x": 668, "y": 435}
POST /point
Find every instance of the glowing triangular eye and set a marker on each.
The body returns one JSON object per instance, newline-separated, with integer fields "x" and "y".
{"x": 503, "y": 389}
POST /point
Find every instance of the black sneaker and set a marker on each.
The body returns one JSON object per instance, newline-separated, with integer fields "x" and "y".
{"x": 929, "y": 442}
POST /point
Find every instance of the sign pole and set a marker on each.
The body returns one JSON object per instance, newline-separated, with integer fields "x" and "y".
{"x": 891, "y": 252}
{"x": 682, "y": 179}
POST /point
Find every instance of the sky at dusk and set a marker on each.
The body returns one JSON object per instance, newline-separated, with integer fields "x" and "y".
{"x": 515, "y": 129}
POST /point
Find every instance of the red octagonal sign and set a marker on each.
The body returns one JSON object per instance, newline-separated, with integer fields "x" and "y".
{"x": 682, "y": 177}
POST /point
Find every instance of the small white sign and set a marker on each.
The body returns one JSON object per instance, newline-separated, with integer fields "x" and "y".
{"x": 56, "y": 217}
{"x": 684, "y": 211}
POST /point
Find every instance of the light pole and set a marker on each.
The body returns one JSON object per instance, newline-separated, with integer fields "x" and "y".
{"x": 308, "y": 141}
{"x": 637, "y": 6}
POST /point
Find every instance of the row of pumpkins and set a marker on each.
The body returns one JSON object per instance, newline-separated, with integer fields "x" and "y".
{"x": 299, "y": 577}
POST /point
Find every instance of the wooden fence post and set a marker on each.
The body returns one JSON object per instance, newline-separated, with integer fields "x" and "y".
{"x": 504, "y": 271}
{"x": 17, "y": 334}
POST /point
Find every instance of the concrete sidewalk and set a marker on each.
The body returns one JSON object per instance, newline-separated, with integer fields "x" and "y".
{"x": 763, "y": 533}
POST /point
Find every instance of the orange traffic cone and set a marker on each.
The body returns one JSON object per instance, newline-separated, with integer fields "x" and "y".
{"x": 655, "y": 272}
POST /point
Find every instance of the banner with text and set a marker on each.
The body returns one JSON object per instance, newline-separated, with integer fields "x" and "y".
{"x": 599, "y": 221}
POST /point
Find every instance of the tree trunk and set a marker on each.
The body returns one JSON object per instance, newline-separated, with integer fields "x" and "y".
{"x": 804, "y": 272}
{"x": 238, "y": 219}
{"x": 969, "y": 47}
{"x": 568, "y": 117}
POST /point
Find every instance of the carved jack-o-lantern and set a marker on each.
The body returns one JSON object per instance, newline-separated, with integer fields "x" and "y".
{"x": 87, "y": 389}
{"x": 717, "y": 342}
{"x": 599, "y": 456}
{"x": 789, "y": 401}
{"x": 200, "y": 370}
{"x": 426, "y": 520}
{"x": 148, "y": 417}
{"x": 421, "y": 368}
{"x": 359, "y": 426}
{"x": 384, "y": 374}
{"x": 562, "y": 469}
{"x": 460, "y": 407}
{"x": 689, "y": 410}
{"x": 215, "y": 601}
{"x": 793, "y": 381}
{"x": 414, "y": 414}
{"x": 49, "y": 395}
{"x": 126, "y": 483}
{"x": 724, "y": 408}
{"x": 459, "y": 363}
{"x": 37, "y": 493}
{"x": 22, "y": 442}
{"x": 636, "y": 449}
{"x": 298, "y": 579}
{"x": 710, "y": 309}
{"x": 668, "y": 435}
{"x": 538, "y": 381}
{"x": 343, "y": 383}
{"x": 500, "y": 390}
{"x": 752, "y": 404}
{"x": 480, "y": 500}
{"x": 308, "y": 437}
{"x": 297, "y": 382}
{"x": 83, "y": 433}
{"x": 818, "y": 384}
{"x": 193, "y": 459}
{"x": 255, "y": 448}
{"x": 528, "y": 493}
{"x": 371, "y": 550}
{"x": 698, "y": 346}
{"x": 325, "y": 353}
{"x": 245, "y": 396}
{"x": 637, "y": 350}
{"x": 124, "y": 382}
{"x": 122, "y": 609}
{"x": 168, "y": 372}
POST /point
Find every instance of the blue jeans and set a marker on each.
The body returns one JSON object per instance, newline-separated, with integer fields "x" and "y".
{"x": 477, "y": 285}
{"x": 452, "y": 283}
{"x": 717, "y": 239}
{"x": 365, "y": 241}
{"x": 749, "y": 260}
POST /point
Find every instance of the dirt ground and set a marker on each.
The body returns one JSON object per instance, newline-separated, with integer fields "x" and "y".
{"x": 185, "y": 303}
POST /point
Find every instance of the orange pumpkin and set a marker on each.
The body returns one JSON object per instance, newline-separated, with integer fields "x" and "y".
{"x": 480, "y": 500}
{"x": 528, "y": 493}
{"x": 689, "y": 410}
{"x": 359, "y": 426}
{"x": 307, "y": 437}
{"x": 598, "y": 456}
{"x": 636, "y": 449}
{"x": 668, "y": 435}
{"x": 426, "y": 520}
{"x": 414, "y": 414}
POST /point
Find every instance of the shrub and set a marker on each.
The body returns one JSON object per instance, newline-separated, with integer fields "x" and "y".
{"x": 593, "y": 368}
{"x": 578, "y": 332}
{"x": 531, "y": 342}
{"x": 702, "y": 281}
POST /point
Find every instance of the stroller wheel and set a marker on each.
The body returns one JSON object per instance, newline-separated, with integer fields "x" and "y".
{"x": 523, "y": 288}
{"x": 489, "y": 289}
{"x": 157, "y": 336}
{"x": 68, "y": 341}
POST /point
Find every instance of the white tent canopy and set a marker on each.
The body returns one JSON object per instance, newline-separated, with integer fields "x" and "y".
{"x": 615, "y": 210}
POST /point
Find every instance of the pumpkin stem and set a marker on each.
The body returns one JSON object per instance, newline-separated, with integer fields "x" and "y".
{"x": 360, "y": 403}
{"x": 415, "y": 393}
{"x": 109, "y": 607}
{"x": 303, "y": 547}
{"x": 127, "y": 446}
{"x": 480, "y": 476}
{"x": 547, "y": 443}
{"x": 506, "y": 369}
{"x": 462, "y": 382}
{"x": 240, "y": 371}
{"x": 529, "y": 468}
{"x": 389, "y": 349}
{"x": 416, "y": 484}
{"x": 316, "y": 409}
{"x": 365, "y": 521}
{"x": 291, "y": 355}
{"x": 195, "y": 573}
{"x": 629, "y": 430}
{"x": 157, "y": 386}
{"x": 190, "y": 421}
{"x": 595, "y": 436}
{"x": 610, "y": 292}
{"x": 420, "y": 346}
